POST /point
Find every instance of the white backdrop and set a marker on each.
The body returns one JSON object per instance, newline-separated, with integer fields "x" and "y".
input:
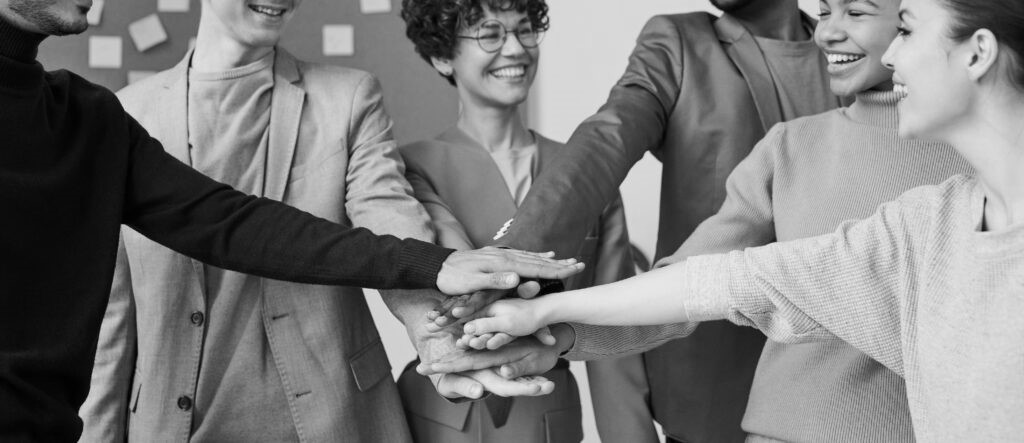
{"x": 582, "y": 56}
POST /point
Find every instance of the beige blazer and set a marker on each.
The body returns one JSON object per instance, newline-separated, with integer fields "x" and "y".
{"x": 331, "y": 153}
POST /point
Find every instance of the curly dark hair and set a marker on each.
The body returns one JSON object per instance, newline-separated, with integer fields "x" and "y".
{"x": 433, "y": 25}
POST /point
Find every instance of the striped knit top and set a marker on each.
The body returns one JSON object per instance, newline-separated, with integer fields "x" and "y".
{"x": 918, "y": 286}
{"x": 805, "y": 178}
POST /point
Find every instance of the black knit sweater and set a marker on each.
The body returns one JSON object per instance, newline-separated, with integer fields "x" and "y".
{"x": 73, "y": 168}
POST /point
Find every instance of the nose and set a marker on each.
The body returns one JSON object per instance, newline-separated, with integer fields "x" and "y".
{"x": 890, "y": 53}
{"x": 829, "y": 31}
{"x": 512, "y": 46}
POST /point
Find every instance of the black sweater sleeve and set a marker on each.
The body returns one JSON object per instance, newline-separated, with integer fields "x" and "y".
{"x": 192, "y": 214}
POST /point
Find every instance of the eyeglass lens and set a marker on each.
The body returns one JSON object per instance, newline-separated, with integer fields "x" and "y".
{"x": 492, "y": 34}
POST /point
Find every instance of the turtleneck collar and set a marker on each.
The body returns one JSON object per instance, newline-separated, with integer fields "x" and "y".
{"x": 20, "y": 73}
{"x": 876, "y": 108}
{"x": 17, "y": 44}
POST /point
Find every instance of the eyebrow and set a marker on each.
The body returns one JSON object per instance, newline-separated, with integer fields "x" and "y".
{"x": 870, "y": 2}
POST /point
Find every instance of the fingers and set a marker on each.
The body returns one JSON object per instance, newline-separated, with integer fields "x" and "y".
{"x": 486, "y": 325}
{"x": 455, "y": 386}
{"x": 471, "y": 361}
{"x": 477, "y": 301}
{"x": 522, "y": 386}
{"x": 544, "y": 336}
{"x": 499, "y": 340}
{"x": 528, "y": 289}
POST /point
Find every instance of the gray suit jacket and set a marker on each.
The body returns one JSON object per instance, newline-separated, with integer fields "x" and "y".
{"x": 698, "y": 94}
{"x": 331, "y": 153}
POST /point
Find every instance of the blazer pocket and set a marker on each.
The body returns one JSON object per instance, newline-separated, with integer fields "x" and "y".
{"x": 369, "y": 365}
{"x": 564, "y": 425}
{"x": 136, "y": 391}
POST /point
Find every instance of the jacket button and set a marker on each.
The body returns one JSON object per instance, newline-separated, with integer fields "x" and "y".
{"x": 184, "y": 403}
{"x": 197, "y": 318}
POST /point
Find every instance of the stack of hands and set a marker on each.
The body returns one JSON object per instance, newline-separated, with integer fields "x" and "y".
{"x": 463, "y": 365}
{"x": 465, "y": 343}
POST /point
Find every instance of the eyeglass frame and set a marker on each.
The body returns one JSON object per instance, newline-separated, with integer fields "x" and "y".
{"x": 504, "y": 36}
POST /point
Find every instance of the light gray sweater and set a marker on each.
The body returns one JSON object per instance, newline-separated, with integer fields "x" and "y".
{"x": 805, "y": 178}
{"x": 917, "y": 287}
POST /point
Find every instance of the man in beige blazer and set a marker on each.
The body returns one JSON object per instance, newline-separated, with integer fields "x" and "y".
{"x": 189, "y": 351}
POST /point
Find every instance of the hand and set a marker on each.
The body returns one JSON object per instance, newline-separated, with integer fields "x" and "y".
{"x": 495, "y": 341}
{"x": 465, "y": 272}
{"x": 510, "y": 316}
{"x": 472, "y": 384}
{"x": 454, "y": 309}
{"x": 525, "y": 356}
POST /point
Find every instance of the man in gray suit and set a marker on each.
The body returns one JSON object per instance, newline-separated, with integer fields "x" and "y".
{"x": 228, "y": 356}
{"x": 698, "y": 93}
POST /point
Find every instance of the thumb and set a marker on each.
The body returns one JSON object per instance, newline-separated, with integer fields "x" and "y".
{"x": 455, "y": 386}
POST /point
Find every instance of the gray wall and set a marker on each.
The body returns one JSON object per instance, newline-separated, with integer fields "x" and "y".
{"x": 421, "y": 103}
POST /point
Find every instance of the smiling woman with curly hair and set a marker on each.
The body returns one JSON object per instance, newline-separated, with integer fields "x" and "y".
{"x": 471, "y": 178}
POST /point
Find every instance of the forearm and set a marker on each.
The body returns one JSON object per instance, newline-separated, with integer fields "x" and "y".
{"x": 683, "y": 292}
{"x": 180, "y": 208}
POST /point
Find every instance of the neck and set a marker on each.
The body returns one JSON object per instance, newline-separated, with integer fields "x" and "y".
{"x": 993, "y": 142}
{"x": 495, "y": 129}
{"x": 18, "y": 40}
{"x": 217, "y": 50}
{"x": 774, "y": 19}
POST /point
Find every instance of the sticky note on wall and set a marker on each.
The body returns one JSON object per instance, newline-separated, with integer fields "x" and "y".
{"x": 105, "y": 52}
{"x": 95, "y": 15}
{"x": 339, "y": 40}
{"x": 375, "y": 6}
{"x": 147, "y": 32}
{"x": 172, "y": 5}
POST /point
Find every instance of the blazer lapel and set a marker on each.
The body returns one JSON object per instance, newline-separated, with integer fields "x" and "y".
{"x": 174, "y": 120}
{"x": 285, "y": 115}
{"x": 748, "y": 58}
{"x": 174, "y": 131}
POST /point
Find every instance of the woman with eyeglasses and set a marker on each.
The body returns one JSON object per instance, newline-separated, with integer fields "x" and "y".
{"x": 931, "y": 286}
{"x": 471, "y": 179}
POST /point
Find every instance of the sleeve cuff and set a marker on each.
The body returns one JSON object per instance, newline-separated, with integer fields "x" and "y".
{"x": 420, "y": 263}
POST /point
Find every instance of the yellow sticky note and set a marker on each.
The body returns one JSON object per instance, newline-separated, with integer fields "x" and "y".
{"x": 95, "y": 15}
{"x": 375, "y": 6}
{"x": 339, "y": 40}
{"x": 105, "y": 52}
{"x": 147, "y": 32}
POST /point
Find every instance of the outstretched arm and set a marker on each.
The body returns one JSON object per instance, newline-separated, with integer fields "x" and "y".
{"x": 186, "y": 211}
{"x": 568, "y": 197}
{"x": 856, "y": 284}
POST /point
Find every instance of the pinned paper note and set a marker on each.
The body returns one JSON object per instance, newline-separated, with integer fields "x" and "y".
{"x": 95, "y": 14}
{"x": 339, "y": 40}
{"x": 172, "y": 5}
{"x": 375, "y": 6}
{"x": 104, "y": 52}
{"x": 147, "y": 32}
{"x": 134, "y": 76}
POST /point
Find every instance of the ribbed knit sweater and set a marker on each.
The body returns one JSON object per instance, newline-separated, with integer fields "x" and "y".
{"x": 918, "y": 286}
{"x": 805, "y": 178}
{"x": 73, "y": 168}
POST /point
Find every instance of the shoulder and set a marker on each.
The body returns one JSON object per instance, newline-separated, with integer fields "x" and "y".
{"x": 76, "y": 88}
{"x": 335, "y": 80}
{"x": 421, "y": 155}
{"x": 136, "y": 96}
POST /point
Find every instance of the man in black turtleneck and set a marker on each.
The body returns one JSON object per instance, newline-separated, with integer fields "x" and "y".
{"x": 74, "y": 167}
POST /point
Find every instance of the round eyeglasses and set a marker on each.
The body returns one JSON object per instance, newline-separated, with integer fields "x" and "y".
{"x": 491, "y": 35}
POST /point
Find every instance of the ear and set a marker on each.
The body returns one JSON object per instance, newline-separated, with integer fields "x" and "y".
{"x": 982, "y": 54}
{"x": 443, "y": 66}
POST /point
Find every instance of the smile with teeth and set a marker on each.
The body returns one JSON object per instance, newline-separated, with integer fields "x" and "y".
{"x": 839, "y": 59}
{"x": 901, "y": 90}
{"x": 509, "y": 72}
{"x": 267, "y": 10}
